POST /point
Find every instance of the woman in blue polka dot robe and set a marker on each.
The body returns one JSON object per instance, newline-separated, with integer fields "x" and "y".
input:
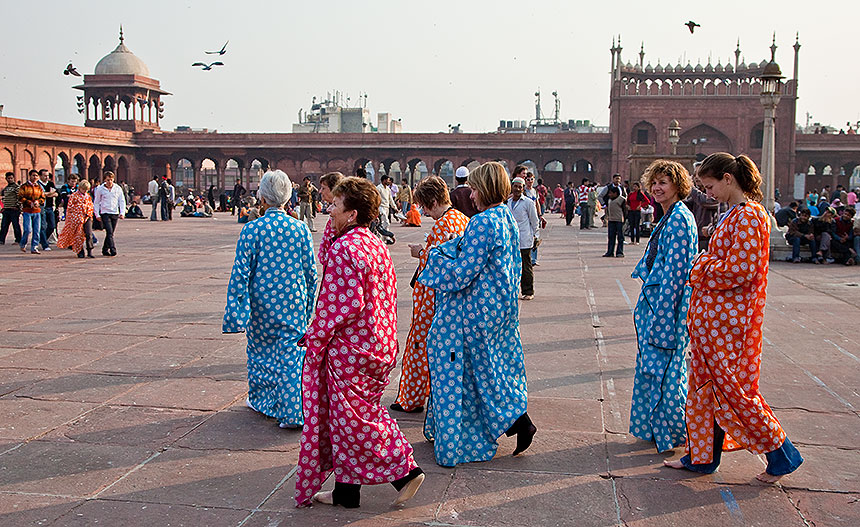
{"x": 271, "y": 297}
{"x": 477, "y": 371}
{"x": 660, "y": 383}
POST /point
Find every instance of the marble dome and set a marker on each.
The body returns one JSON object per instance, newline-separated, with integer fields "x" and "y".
{"x": 121, "y": 61}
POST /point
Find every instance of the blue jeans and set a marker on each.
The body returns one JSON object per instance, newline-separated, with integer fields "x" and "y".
{"x": 797, "y": 241}
{"x": 47, "y": 223}
{"x": 784, "y": 460}
{"x": 31, "y": 225}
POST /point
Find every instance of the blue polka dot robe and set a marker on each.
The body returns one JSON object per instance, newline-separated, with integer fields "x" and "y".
{"x": 660, "y": 383}
{"x": 477, "y": 371}
{"x": 271, "y": 297}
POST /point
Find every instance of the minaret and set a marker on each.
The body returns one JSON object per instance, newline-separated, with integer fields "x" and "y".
{"x": 737, "y": 54}
{"x": 618, "y": 58}
{"x": 612, "y": 65}
{"x": 642, "y": 55}
{"x": 796, "y": 55}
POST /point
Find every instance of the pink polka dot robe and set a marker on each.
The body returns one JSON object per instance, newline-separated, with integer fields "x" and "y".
{"x": 351, "y": 350}
{"x": 725, "y": 319}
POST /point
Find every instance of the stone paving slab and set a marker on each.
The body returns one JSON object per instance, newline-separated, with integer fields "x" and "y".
{"x": 211, "y": 478}
{"x": 111, "y": 512}
{"x": 123, "y": 403}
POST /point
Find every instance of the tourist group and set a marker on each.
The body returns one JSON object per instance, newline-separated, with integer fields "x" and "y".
{"x": 321, "y": 349}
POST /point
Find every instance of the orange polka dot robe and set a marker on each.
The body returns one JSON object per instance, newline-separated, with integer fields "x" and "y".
{"x": 725, "y": 320}
{"x": 78, "y": 211}
{"x": 415, "y": 377}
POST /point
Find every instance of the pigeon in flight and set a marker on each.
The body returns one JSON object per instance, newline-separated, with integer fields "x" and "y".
{"x": 220, "y": 51}
{"x": 207, "y": 67}
{"x": 692, "y": 25}
{"x": 71, "y": 70}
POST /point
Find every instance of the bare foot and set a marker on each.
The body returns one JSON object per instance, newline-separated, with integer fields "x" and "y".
{"x": 325, "y": 497}
{"x": 674, "y": 464}
{"x": 407, "y": 492}
{"x": 764, "y": 477}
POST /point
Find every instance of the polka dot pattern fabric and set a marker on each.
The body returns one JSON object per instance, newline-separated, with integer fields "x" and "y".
{"x": 725, "y": 321}
{"x": 352, "y": 348}
{"x": 78, "y": 211}
{"x": 415, "y": 377}
{"x": 270, "y": 296}
{"x": 660, "y": 382}
{"x": 475, "y": 356}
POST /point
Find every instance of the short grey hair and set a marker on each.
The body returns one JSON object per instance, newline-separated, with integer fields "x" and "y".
{"x": 276, "y": 188}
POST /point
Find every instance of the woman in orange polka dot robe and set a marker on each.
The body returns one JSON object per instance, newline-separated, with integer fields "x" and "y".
{"x": 431, "y": 194}
{"x": 77, "y": 230}
{"x": 725, "y": 410}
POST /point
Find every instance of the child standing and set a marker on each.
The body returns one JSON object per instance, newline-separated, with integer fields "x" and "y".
{"x": 616, "y": 213}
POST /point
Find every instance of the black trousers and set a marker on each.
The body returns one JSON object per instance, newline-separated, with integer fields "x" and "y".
{"x": 568, "y": 213}
{"x": 584, "y": 213}
{"x": 88, "y": 234}
{"x": 527, "y": 284}
{"x": 635, "y": 219}
{"x": 11, "y": 217}
{"x": 109, "y": 223}
{"x": 616, "y": 234}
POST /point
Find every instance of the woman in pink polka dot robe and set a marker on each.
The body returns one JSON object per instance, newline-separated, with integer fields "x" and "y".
{"x": 725, "y": 410}
{"x": 351, "y": 350}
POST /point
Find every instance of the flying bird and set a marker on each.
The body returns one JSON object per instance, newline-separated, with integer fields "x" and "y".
{"x": 71, "y": 70}
{"x": 207, "y": 67}
{"x": 692, "y": 25}
{"x": 219, "y": 52}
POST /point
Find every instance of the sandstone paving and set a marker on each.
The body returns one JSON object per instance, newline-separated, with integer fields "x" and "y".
{"x": 123, "y": 403}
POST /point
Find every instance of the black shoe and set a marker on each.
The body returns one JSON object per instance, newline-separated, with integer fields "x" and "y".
{"x": 525, "y": 431}
{"x": 607, "y": 255}
{"x": 113, "y": 252}
{"x": 81, "y": 253}
{"x": 397, "y": 408}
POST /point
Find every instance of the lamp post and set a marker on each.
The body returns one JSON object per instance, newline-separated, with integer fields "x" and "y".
{"x": 771, "y": 88}
{"x": 674, "y": 131}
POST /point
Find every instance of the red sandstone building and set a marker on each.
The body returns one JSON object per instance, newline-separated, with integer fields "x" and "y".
{"x": 717, "y": 106}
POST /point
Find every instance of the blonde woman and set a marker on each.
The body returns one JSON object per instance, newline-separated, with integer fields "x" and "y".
{"x": 78, "y": 227}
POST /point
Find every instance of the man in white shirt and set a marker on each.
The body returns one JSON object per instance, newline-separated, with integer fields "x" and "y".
{"x": 385, "y": 203}
{"x": 109, "y": 206}
{"x": 153, "y": 196}
{"x": 525, "y": 213}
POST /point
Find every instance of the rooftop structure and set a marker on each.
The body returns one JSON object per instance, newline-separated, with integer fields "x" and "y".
{"x": 120, "y": 94}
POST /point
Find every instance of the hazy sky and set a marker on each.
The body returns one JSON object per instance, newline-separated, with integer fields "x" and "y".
{"x": 428, "y": 63}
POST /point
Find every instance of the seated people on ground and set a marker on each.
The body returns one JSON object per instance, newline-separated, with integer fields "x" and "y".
{"x": 134, "y": 211}
{"x": 413, "y": 217}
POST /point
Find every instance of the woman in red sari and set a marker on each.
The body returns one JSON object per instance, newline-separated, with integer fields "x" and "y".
{"x": 78, "y": 227}
{"x": 351, "y": 350}
{"x": 725, "y": 410}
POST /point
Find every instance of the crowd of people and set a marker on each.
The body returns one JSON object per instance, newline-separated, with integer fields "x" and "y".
{"x": 324, "y": 368}
{"x": 827, "y": 223}
{"x": 34, "y": 208}
{"x": 321, "y": 348}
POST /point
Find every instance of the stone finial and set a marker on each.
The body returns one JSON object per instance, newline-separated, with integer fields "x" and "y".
{"x": 773, "y": 48}
{"x": 121, "y": 38}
